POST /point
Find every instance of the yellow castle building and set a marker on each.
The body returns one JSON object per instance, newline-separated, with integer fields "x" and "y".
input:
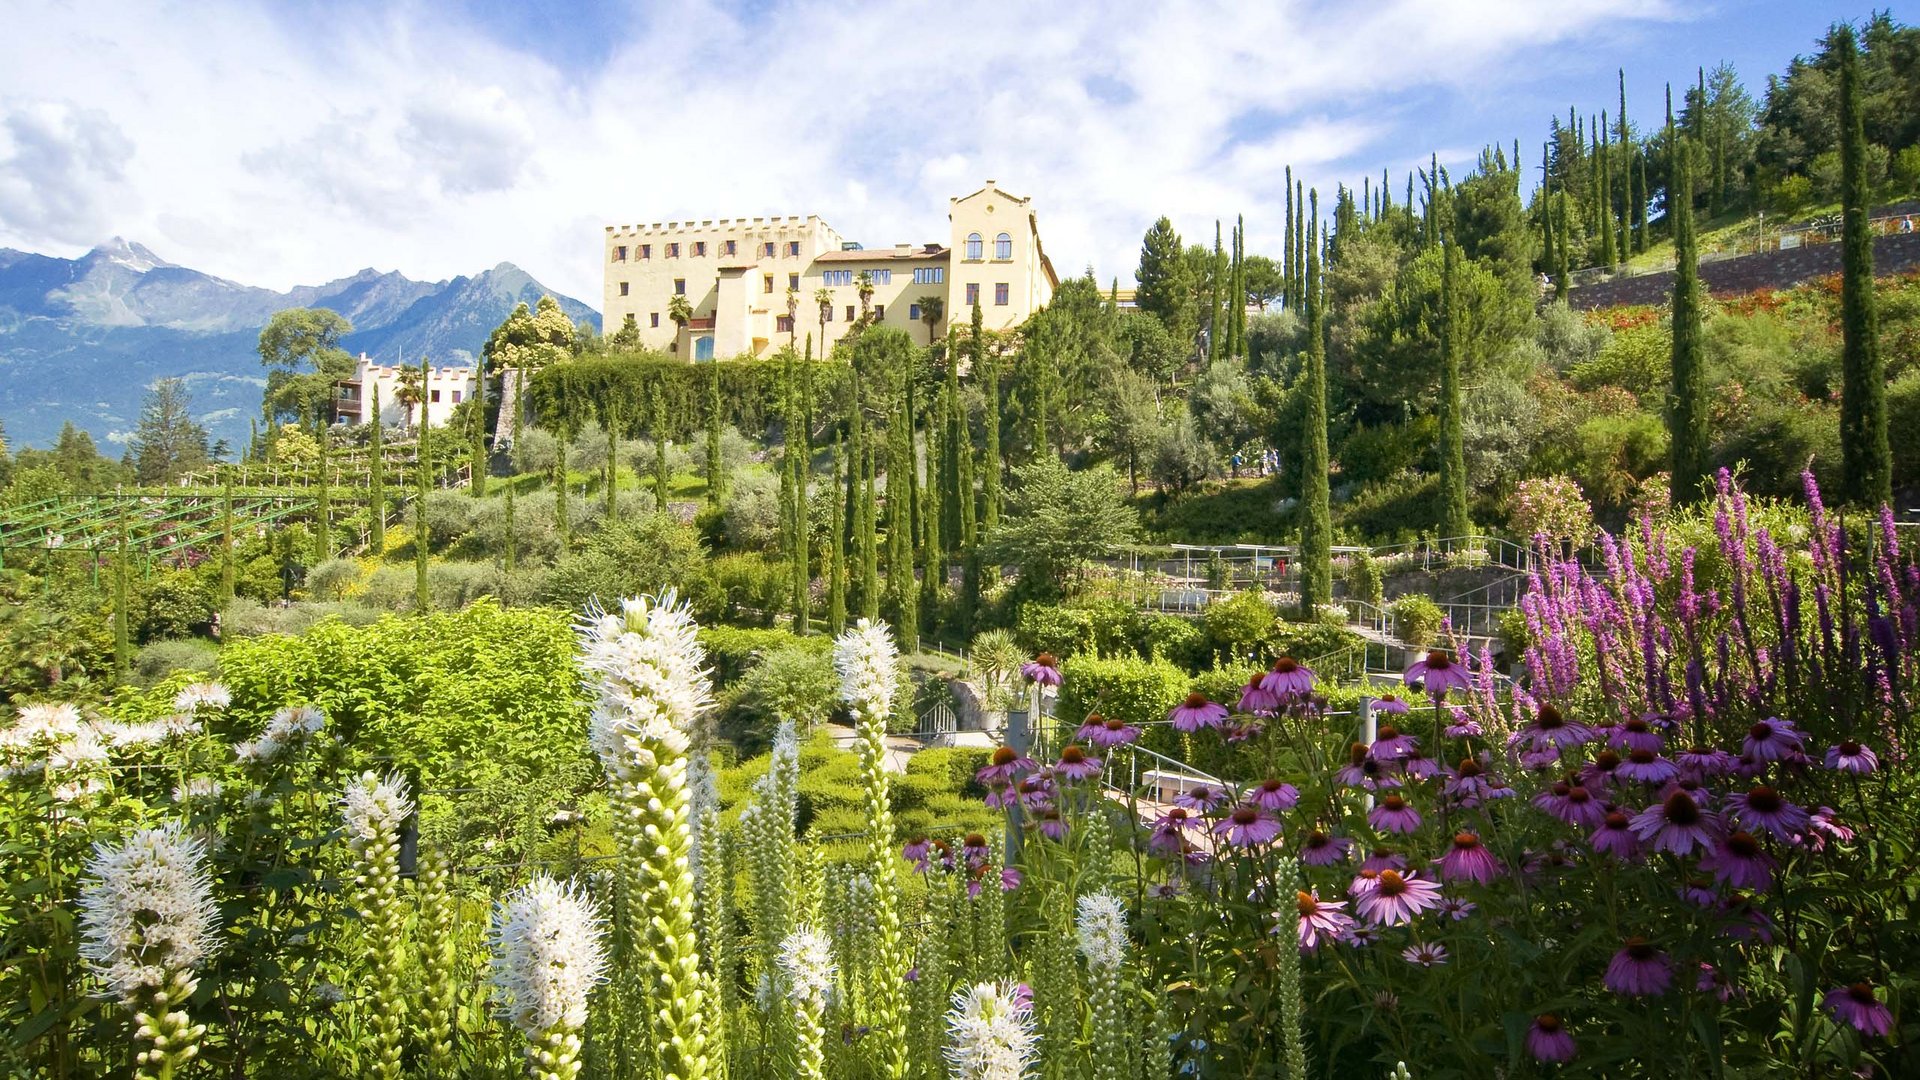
{"x": 753, "y": 285}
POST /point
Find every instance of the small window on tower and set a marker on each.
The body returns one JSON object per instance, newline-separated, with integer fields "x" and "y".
{"x": 623, "y": 288}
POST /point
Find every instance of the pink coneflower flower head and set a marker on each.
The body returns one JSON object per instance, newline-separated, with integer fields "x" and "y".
{"x": 1712, "y": 980}
{"x": 1274, "y": 794}
{"x": 1196, "y": 712}
{"x": 1771, "y": 740}
{"x": 1469, "y": 781}
{"x": 1052, "y": 825}
{"x": 1856, "y": 1005}
{"x": 1249, "y": 826}
{"x": 1387, "y": 703}
{"x": 1392, "y": 814}
{"x": 1005, "y": 764}
{"x": 1825, "y": 826}
{"x": 1397, "y": 898}
{"x": 1010, "y": 878}
{"x": 1419, "y": 766}
{"x": 1763, "y": 809}
{"x": 1637, "y": 734}
{"x": 1390, "y": 743}
{"x": 1676, "y": 824}
{"x": 1550, "y": 730}
{"x": 1462, "y": 725}
{"x": 1254, "y": 697}
{"x": 1287, "y": 680}
{"x": 1169, "y": 833}
{"x": 1745, "y": 921}
{"x": 1203, "y": 798}
{"x": 1043, "y": 669}
{"x": 1455, "y": 908}
{"x": 1240, "y": 733}
{"x": 974, "y": 849}
{"x": 1383, "y": 859}
{"x": 1851, "y": 757}
{"x": 1094, "y": 722}
{"x": 1113, "y": 732}
{"x": 1646, "y": 767}
{"x": 1077, "y": 764}
{"x": 1468, "y": 859}
{"x": 1549, "y": 1041}
{"x": 1319, "y": 849}
{"x": 915, "y": 852}
{"x": 1572, "y": 803}
{"x": 1601, "y": 772}
{"x": 1321, "y": 921}
{"x": 1426, "y": 955}
{"x": 1439, "y": 672}
{"x": 1705, "y": 761}
{"x": 1363, "y": 770}
{"x": 1615, "y": 837}
{"x": 1639, "y": 970}
{"x": 1740, "y": 862}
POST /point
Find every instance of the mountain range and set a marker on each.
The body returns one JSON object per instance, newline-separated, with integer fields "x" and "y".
{"x": 82, "y": 339}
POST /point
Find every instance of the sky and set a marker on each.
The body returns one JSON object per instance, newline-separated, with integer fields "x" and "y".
{"x": 291, "y": 143}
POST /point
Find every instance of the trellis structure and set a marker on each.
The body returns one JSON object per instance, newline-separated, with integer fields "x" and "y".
{"x": 152, "y": 524}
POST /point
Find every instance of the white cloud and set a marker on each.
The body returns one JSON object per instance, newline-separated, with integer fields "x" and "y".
{"x": 275, "y": 152}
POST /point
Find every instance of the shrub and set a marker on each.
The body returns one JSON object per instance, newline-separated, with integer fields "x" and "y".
{"x": 1553, "y": 507}
{"x": 334, "y": 579}
{"x": 245, "y": 618}
{"x": 1174, "y": 639}
{"x": 1239, "y": 623}
{"x": 1416, "y": 619}
{"x": 173, "y": 604}
{"x": 748, "y": 587}
{"x": 449, "y": 516}
{"x": 630, "y": 558}
{"x": 732, "y": 650}
{"x": 792, "y": 682}
{"x": 750, "y": 516}
{"x": 169, "y": 655}
{"x": 952, "y": 766}
{"x": 1365, "y": 580}
{"x": 1053, "y": 628}
{"x": 1137, "y": 691}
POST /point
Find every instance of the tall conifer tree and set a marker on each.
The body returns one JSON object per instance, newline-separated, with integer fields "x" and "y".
{"x": 1316, "y": 528}
{"x": 716, "y": 469}
{"x": 1686, "y": 409}
{"x": 837, "y": 548}
{"x": 986, "y": 370}
{"x": 1453, "y": 462}
{"x": 1217, "y": 333}
{"x": 377, "y": 481}
{"x": 323, "y": 516}
{"x": 797, "y": 456}
{"x": 1287, "y": 297}
{"x": 423, "y": 483}
{"x": 1865, "y": 455}
{"x": 869, "y": 534}
{"x": 477, "y": 432}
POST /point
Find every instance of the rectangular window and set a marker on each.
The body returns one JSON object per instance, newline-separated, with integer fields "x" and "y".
{"x": 836, "y": 277}
{"x": 456, "y": 397}
{"x": 973, "y": 293}
{"x": 849, "y": 312}
{"x": 646, "y": 251}
{"x": 673, "y": 251}
{"x": 732, "y": 246}
{"x": 827, "y": 313}
{"x": 879, "y": 312}
{"x": 882, "y": 277}
{"x": 679, "y": 286}
{"x": 434, "y": 397}
{"x": 930, "y": 275}
{"x": 656, "y": 320}
{"x": 699, "y": 248}
{"x": 620, "y": 253}
{"x": 1000, "y": 294}
{"x": 623, "y": 288}
{"x": 913, "y": 312}
{"x": 766, "y": 282}
{"x": 766, "y": 250}
{"x": 793, "y": 249}
{"x": 783, "y": 324}
{"x": 793, "y": 281}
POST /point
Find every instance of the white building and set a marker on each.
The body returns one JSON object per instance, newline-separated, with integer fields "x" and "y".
{"x": 446, "y": 387}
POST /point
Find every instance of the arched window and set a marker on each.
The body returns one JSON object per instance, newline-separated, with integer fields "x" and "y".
{"x": 973, "y": 245}
{"x": 1003, "y": 246}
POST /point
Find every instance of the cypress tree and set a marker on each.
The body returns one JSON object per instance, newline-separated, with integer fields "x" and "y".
{"x": 869, "y": 536}
{"x": 1603, "y": 169}
{"x": 662, "y": 483}
{"x": 902, "y": 591}
{"x": 716, "y": 471}
{"x": 511, "y": 537}
{"x": 1686, "y": 411}
{"x": 1547, "y": 261}
{"x": 1216, "y": 328}
{"x": 1316, "y": 528}
{"x": 933, "y": 513}
{"x": 560, "y": 522}
{"x": 1286, "y": 271}
{"x": 1563, "y": 267}
{"x": 1626, "y": 176}
{"x": 423, "y": 482}
{"x": 1640, "y": 202}
{"x": 611, "y": 416}
{"x": 796, "y": 471}
{"x": 1300, "y": 237}
{"x": 377, "y": 482}
{"x": 986, "y": 371}
{"x": 226, "y": 542}
{"x": 323, "y": 514}
{"x": 1453, "y": 462}
{"x": 837, "y": 550}
{"x": 477, "y": 418}
{"x": 1237, "y": 294}
{"x": 1865, "y": 456}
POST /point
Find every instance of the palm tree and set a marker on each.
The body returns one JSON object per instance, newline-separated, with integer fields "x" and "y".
{"x": 931, "y": 309}
{"x": 408, "y": 394}
{"x": 824, "y": 298}
{"x": 864, "y": 285}
{"x": 793, "y": 314}
{"x": 681, "y": 313}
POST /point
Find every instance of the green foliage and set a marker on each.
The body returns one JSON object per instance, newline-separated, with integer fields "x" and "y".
{"x": 628, "y": 558}
{"x": 529, "y": 340}
{"x": 173, "y": 604}
{"x": 1416, "y": 619}
{"x": 1060, "y": 523}
{"x": 1237, "y": 624}
{"x": 1134, "y": 690}
{"x": 300, "y": 347}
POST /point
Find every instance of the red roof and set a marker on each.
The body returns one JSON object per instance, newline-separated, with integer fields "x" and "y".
{"x": 884, "y": 255}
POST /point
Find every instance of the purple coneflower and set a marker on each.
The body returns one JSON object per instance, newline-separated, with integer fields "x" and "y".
{"x": 1857, "y": 1006}
{"x": 1389, "y": 743}
{"x": 1464, "y": 726}
{"x": 1599, "y": 774}
{"x": 1043, "y": 669}
{"x": 1249, "y": 826}
{"x": 1764, "y": 809}
{"x": 1676, "y": 824}
{"x": 1363, "y": 770}
{"x": 1639, "y": 970}
{"x": 1010, "y": 878}
{"x": 1740, "y": 862}
{"x": 1637, "y": 734}
{"x": 1169, "y": 831}
{"x": 1396, "y": 898}
{"x": 1383, "y": 859}
{"x": 1255, "y": 699}
{"x": 1468, "y": 858}
{"x": 1425, "y": 955}
{"x": 1468, "y": 781}
{"x": 1359, "y": 936}
{"x": 1319, "y": 849}
{"x": 1196, "y": 712}
{"x": 1548, "y": 1040}
{"x": 1321, "y": 921}
{"x": 974, "y": 849}
{"x": 1075, "y": 764}
{"x": 1439, "y": 673}
{"x": 1615, "y": 837}
{"x": 1004, "y": 765}
{"x": 1419, "y": 766}
{"x": 1646, "y": 767}
{"x": 1240, "y": 733}
{"x": 1552, "y": 731}
{"x": 1202, "y": 798}
{"x": 1113, "y": 732}
{"x": 1288, "y": 680}
{"x": 1705, "y": 761}
{"x": 1455, "y": 908}
{"x": 1052, "y": 825}
{"x": 1094, "y": 722}
{"x": 916, "y": 852}
{"x": 1392, "y": 814}
{"x": 1572, "y": 803}
{"x": 1274, "y": 794}
{"x": 1824, "y": 826}
{"x": 1387, "y": 703}
{"x": 1712, "y": 980}
{"x": 1851, "y": 757}
{"x": 1771, "y": 740}
{"x": 1744, "y": 919}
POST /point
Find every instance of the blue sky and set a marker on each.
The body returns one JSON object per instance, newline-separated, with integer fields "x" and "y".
{"x": 297, "y": 142}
